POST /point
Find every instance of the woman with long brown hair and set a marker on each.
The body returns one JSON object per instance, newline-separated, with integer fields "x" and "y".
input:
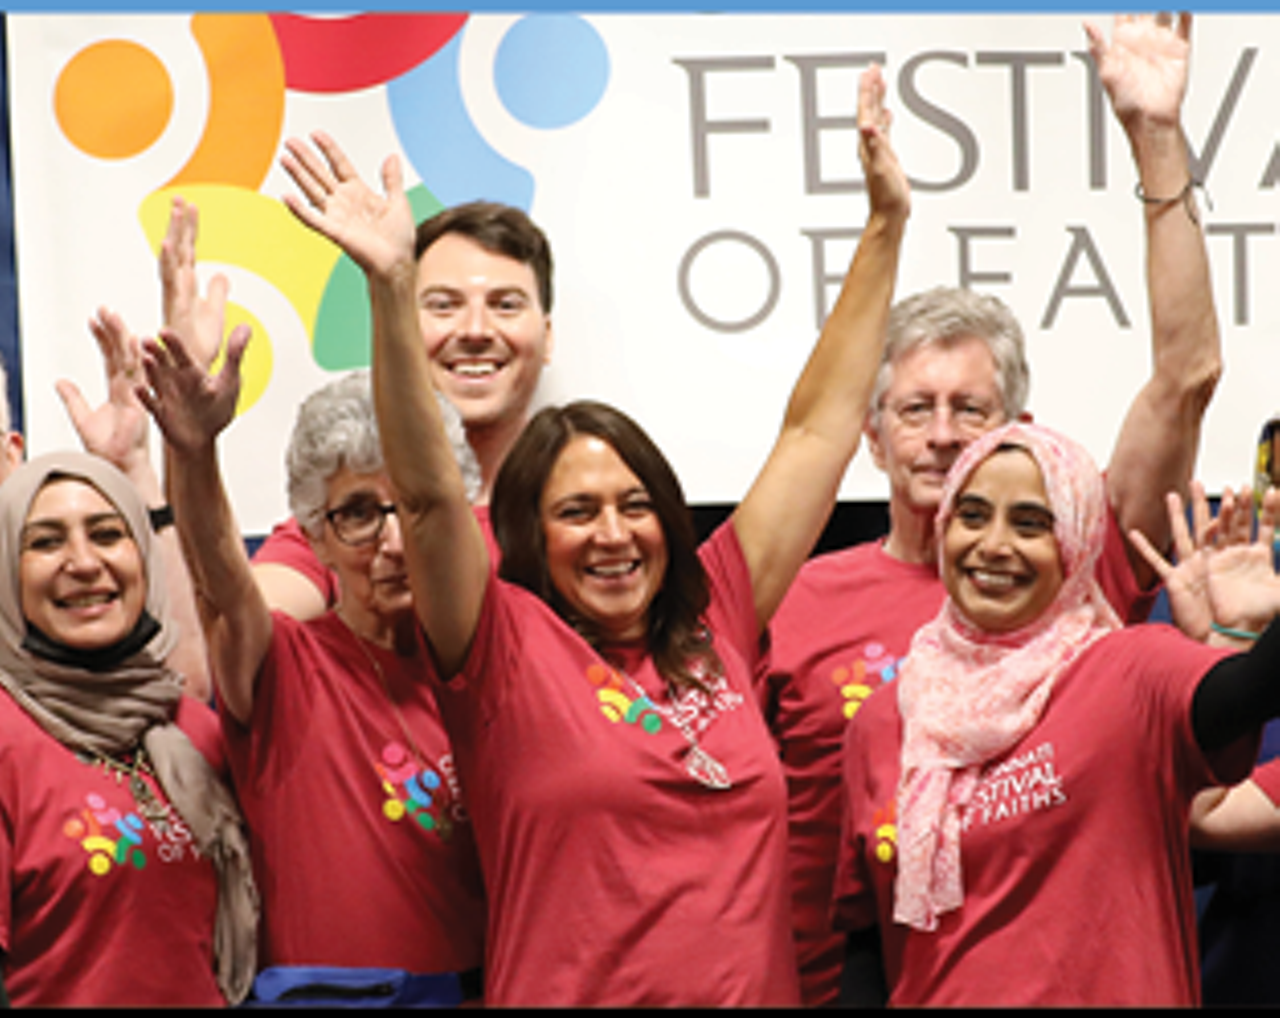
{"x": 628, "y": 803}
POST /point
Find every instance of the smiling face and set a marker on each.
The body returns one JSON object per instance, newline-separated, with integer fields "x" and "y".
{"x": 372, "y": 577}
{"x": 486, "y": 332}
{"x": 605, "y": 548}
{"x": 942, "y": 397}
{"x": 1000, "y": 559}
{"x": 81, "y": 576}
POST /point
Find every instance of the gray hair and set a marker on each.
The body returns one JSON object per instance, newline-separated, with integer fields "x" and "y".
{"x": 945, "y": 315}
{"x": 336, "y": 427}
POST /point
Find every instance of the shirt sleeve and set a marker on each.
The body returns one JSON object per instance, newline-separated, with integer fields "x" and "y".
{"x": 288, "y": 546}
{"x": 1115, "y": 576}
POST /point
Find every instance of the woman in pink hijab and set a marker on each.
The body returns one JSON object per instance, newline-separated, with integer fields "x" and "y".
{"x": 1016, "y": 802}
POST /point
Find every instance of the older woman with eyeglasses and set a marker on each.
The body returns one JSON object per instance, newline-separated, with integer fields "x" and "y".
{"x": 362, "y": 846}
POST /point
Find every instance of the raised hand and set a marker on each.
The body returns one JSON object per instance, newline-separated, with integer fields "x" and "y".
{"x": 190, "y": 405}
{"x": 117, "y": 430}
{"x": 1244, "y": 588}
{"x": 198, "y": 320}
{"x": 1144, "y": 68}
{"x": 887, "y": 187}
{"x": 1187, "y": 582}
{"x": 1221, "y": 575}
{"x": 377, "y": 231}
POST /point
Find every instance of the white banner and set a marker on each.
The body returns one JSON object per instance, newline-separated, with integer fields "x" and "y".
{"x": 698, "y": 178}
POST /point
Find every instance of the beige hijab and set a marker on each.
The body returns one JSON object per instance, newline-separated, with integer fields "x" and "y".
{"x": 111, "y": 711}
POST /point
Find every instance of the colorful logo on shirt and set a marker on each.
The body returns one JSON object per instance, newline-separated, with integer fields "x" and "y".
{"x": 868, "y": 672}
{"x": 617, "y": 703}
{"x": 413, "y": 791}
{"x": 110, "y": 838}
{"x": 884, "y": 826}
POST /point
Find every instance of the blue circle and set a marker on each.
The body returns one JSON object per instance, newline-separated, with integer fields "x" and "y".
{"x": 551, "y": 70}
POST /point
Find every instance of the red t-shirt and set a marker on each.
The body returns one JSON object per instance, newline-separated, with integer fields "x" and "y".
{"x": 615, "y": 878}
{"x": 840, "y": 633}
{"x": 1074, "y": 848}
{"x": 362, "y": 845}
{"x": 98, "y": 907}
{"x": 288, "y": 545}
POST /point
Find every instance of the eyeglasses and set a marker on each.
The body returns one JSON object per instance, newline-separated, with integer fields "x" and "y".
{"x": 967, "y": 415}
{"x": 359, "y": 521}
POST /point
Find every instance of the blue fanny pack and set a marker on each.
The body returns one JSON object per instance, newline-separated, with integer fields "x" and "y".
{"x": 334, "y": 986}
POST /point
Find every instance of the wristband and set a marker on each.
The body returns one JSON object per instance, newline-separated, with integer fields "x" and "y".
{"x": 1238, "y": 634}
{"x": 161, "y": 517}
{"x": 1184, "y": 197}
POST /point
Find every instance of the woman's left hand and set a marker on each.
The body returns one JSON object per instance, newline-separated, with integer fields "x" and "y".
{"x": 376, "y": 230}
{"x": 1213, "y": 560}
{"x": 1244, "y": 588}
{"x": 887, "y": 188}
{"x": 190, "y": 405}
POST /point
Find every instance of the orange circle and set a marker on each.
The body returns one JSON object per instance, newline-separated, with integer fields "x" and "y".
{"x": 113, "y": 99}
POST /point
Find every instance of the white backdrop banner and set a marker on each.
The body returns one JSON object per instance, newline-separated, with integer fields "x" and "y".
{"x": 697, "y": 175}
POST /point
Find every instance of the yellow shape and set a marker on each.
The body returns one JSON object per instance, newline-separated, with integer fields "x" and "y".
{"x": 393, "y": 809}
{"x": 113, "y": 99}
{"x": 97, "y": 843}
{"x": 246, "y": 101}
{"x": 99, "y": 865}
{"x": 255, "y": 368}
{"x": 613, "y": 705}
{"x": 884, "y": 852}
{"x": 887, "y": 831}
{"x": 258, "y": 234}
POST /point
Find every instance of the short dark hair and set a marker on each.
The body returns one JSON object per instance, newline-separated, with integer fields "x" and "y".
{"x": 499, "y": 229}
{"x": 677, "y": 636}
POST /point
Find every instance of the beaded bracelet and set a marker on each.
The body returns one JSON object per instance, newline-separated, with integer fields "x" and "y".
{"x": 1238, "y": 634}
{"x": 1183, "y": 196}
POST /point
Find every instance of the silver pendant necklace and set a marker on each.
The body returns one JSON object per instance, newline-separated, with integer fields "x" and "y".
{"x": 698, "y": 763}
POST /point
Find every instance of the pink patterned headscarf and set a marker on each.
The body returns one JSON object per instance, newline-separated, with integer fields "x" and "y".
{"x": 967, "y": 695}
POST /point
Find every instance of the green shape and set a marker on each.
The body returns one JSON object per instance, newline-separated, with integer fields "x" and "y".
{"x": 343, "y": 334}
{"x": 427, "y": 821}
{"x": 423, "y": 202}
{"x": 651, "y": 723}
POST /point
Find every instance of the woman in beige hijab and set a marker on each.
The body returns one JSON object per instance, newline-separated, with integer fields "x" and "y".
{"x": 126, "y": 875}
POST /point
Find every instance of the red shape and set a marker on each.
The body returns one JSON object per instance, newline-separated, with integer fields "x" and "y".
{"x": 346, "y": 54}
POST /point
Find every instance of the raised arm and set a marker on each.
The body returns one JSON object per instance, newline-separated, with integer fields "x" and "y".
{"x": 782, "y": 516}
{"x": 117, "y": 431}
{"x": 1144, "y": 69}
{"x": 445, "y": 550}
{"x": 192, "y": 407}
{"x": 199, "y": 318}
